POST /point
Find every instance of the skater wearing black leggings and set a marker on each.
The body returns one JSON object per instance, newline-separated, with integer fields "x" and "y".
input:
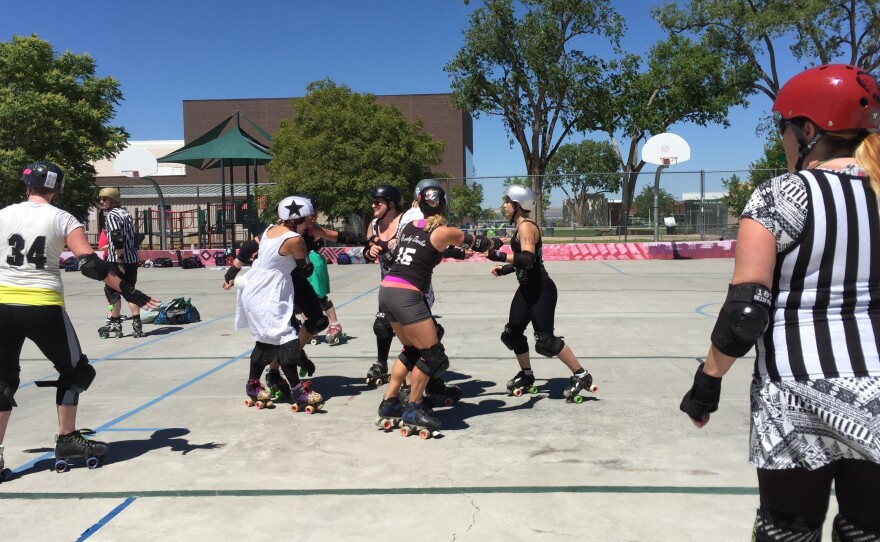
{"x": 805, "y": 292}
{"x": 535, "y": 300}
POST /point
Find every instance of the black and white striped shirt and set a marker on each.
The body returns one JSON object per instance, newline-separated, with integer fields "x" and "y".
{"x": 118, "y": 218}
{"x": 825, "y": 321}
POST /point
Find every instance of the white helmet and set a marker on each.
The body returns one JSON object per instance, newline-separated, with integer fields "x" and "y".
{"x": 525, "y": 197}
{"x": 293, "y": 207}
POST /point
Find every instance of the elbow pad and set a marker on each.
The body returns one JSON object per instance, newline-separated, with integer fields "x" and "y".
{"x": 497, "y": 256}
{"x": 524, "y": 260}
{"x": 482, "y": 244}
{"x": 247, "y": 250}
{"x": 743, "y": 319}
{"x": 117, "y": 238}
{"x": 304, "y": 266}
{"x": 454, "y": 252}
{"x": 496, "y": 243}
{"x": 93, "y": 267}
{"x": 468, "y": 241}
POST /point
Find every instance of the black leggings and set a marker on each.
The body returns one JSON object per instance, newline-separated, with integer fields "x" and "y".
{"x": 305, "y": 298}
{"x": 534, "y": 302}
{"x": 805, "y": 493}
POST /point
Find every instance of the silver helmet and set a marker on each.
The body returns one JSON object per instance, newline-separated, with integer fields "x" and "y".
{"x": 522, "y": 195}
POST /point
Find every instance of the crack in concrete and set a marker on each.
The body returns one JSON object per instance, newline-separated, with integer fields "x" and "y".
{"x": 473, "y": 517}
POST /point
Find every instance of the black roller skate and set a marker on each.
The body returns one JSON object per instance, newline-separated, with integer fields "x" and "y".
{"x": 113, "y": 327}
{"x": 277, "y": 384}
{"x": 306, "y": 366}
{"x": 416, "y": 418}
{"x": 137, "y": 328}
{"x": 520, "y": 383}
{"x": 5, "y": 474}
{"x": 378, "y": 374}
{"x": 305, "y": 399}
{"x": 441, "y": 392}
{"x": 258, "y": 395}
{"x": 576, "y": 384}
{"x": 390, "y": 412}
{"x": 76, "y": 445}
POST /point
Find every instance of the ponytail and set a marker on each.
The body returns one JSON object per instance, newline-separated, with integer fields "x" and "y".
{"x": 434, "y": 221}
{"x": 868, "y": 156}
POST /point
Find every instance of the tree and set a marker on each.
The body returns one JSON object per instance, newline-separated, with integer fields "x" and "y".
{"x": 582, "y": 170}
{"x": 53, "y": 107}
{"x": 341, "y": 144}
{"x": 770, "y": 165}
{"x": 643, "y": 204}
{"x": 465, "y": 203}
{"x": 528, "y": 72}
{"x": 750, "y": 34}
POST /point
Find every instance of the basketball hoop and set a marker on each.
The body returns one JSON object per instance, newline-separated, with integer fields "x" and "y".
{"x": 130, "y": 173}
{"x": 665, "y": 162}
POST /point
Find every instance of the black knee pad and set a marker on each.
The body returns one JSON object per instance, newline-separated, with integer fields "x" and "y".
{"x": 289, "y": 354}
{"x": 433, "y": 361}
{"x": 112, "y": 295}
{"x": 548, "y": 344}
{"x": 326, "y": 303}
{"x": 514, "y": 339}
{"x": 317, "y": 325}
{"x": 846, "y": 529}
{"x": 409, "y": 357}
{"x": 382, "y": 327}
{"x": 9, "y": 381}
{"x": 773, "y": 526}
{"x": 440, "y": 330}
{"x": 73, "y": 381}
{"x": 263, "y": 354}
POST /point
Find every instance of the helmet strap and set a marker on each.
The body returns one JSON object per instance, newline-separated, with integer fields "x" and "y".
{"x": 804, "y": 148}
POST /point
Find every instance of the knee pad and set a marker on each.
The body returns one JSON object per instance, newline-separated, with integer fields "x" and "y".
{"x": 514, "y": 339}
{"x": 326, "y": 303}
{"x": 289, "y": 354}
{"x": 849, "y": 530}
{"x": 74, "y": 381}
{"x": 548, "y": 344}
{"x": 409, "y": 357}
{"x": 433, "y": 361}
{"x": 382, "y": 327}
{"x": 112, "y": 295}
{"x": 9, "y": 381}
{"x": 774, "y": 526}
{"x": 440, "y": 330}
{"x": 317, "y": 325}
{"x": 263, "y": 354}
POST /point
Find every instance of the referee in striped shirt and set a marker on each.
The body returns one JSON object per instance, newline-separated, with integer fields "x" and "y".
{"x": 122, "y": 251}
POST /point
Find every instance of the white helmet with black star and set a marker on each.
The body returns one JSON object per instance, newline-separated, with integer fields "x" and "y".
{"x": 294, "y": 207}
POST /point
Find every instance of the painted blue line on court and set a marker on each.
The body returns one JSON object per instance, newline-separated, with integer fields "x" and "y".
{"x": 141, "y": 344}
{"x": 700, "y": 310}
{"x": 139, "y": 409}
{"x": 606, "y": 264}
{"x": 104, "y": 520}
{"x": 355, "y": 298}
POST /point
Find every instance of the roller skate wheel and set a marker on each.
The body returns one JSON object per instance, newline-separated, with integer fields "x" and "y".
{"x": 269, "y": 404}
{"x": 314, "y": 341}
{"x": 387, "y": 424}
{"x": 425, "y": 434}
{"x": 577, "y": 399}
{"x": 310, "y": 409}
{"x": 248, "y": 402}
{"x": 533, "y": 390}
{"x": 93, "y": 462}
{"x": 448, "y": 401}
{"x": 294, "y": 407}
{"x": 406, "y": 431}
{"x": 61, "y": 465}
{"x": 517, "y": 392}
{"x": 594, "y": 389}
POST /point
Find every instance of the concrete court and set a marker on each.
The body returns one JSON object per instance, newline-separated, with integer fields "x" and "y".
{"x": 188, "y": 461}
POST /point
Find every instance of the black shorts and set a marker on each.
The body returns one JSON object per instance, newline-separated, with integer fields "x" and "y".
{"x": 47, "y": 326}
{"x": 403, "y": 305}
{"x": 129, "y": 275}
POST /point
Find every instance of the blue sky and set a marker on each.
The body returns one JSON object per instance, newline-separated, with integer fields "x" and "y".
{"x": 163, "y": 52}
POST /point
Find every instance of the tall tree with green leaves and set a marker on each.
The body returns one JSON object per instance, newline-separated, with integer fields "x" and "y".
{"x": 53, "y": 107}
{"x": 752, "y": 34}
{"x": 582, "y": 170}
{"x": 768, "y": 166}
{"x": 528, "y": 71}
{"x": 643, "y": 205}
{"x": 341, "y": 144}
{"x": 466, "y": 203}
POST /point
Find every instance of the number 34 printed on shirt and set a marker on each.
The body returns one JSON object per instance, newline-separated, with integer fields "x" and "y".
{"x": 35, "y": 255}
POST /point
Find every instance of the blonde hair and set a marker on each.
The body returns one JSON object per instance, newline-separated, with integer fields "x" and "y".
{"x": 434, "y": 221}
{"x": 868, "y": 156}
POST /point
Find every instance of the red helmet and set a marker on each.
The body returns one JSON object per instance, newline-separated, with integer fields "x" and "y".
{"x": 835, "y": 97}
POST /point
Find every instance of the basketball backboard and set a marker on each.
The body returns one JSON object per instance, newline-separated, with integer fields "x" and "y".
{"x": 135, "y": 162}
{"x": 666, "y": 149}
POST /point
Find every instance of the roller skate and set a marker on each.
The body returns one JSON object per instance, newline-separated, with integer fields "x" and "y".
{"x": 137, "y": 328}
{"x": 76, "y": 445}
{"x": 335, "y": 334}
{"x": 520, "y": 383}
{"x": 575, "y": 385}
{"x": 378, "y": 374}
{"x": 258, "y": 395}
{"x": 306, "y": 366}
{"x": 5, "y": 474}
{"x": 416, "y": 418}
{"x": 390, "y": 412}
{"x": 276, "y": 384}
{"x": 113, "y": 327}
{"x": 441, "y": 392}
{"x": 305, "y": 398}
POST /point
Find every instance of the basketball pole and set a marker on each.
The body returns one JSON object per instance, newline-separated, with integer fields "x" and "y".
{"x": 660, "y": 169}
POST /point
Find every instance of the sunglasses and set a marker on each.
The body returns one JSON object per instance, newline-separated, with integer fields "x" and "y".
{"x": 378, "y": 202}
{"x": 782, "y": 124}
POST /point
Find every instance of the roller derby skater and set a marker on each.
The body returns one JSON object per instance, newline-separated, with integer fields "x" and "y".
{"x": 534, "y": 301}
{"x": 32, "y": 304}
{"x": 378, "y": 374}
{"x": 390, "y": 413}
{"x": 76, "y": 446}
{"x": 305, "y": 399}
{"x": 112, "y": 328}
{"x": 257, "y": 395}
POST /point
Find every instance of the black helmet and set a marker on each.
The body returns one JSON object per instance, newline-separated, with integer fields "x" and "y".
{"x": 425, "y": 183}
{"x": 388, "y": 193}
{"x": 432, "y": 201}
{"x": 43, "y": 174}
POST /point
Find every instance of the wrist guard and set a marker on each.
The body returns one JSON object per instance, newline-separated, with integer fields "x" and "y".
{"x": 133, "y": 295}
{"x": 506, "y": 269}
{"x": 231, "y": 273}
{"x": 454, "y": 252}
{"x": 703, "y": 397}
{"x": 497, "y": 256}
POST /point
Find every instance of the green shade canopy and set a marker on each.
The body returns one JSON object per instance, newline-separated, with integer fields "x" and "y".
{"x": 215, "y": 148}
